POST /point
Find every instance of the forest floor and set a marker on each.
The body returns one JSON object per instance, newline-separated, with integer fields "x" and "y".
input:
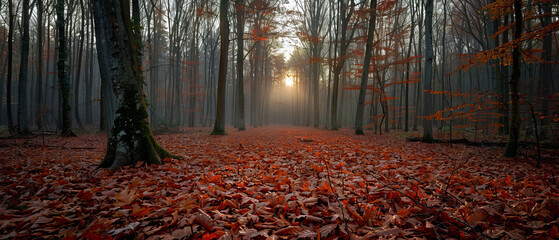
{"x": 276, "y": 183}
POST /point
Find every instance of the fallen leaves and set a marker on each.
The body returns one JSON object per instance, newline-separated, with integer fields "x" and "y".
{"x": 272, "y": 183}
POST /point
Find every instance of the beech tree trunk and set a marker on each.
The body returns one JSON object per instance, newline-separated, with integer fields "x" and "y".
{"x": 131, "y": 140}
{"x": 366, "y": 64}
{"x": 240, "y": 68}
{"x": 428, "y": 72}
{"x": 514, "y": 132}
{"x": 219, "y": 126}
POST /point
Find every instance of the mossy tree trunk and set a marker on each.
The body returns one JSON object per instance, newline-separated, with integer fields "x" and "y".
{"x": 131, "y": 139}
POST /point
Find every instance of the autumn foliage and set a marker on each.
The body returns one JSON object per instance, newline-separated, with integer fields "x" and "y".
{"x": 275, "y": 182}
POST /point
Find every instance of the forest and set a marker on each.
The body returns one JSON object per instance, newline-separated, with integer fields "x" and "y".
{"x": 279, "y": 119}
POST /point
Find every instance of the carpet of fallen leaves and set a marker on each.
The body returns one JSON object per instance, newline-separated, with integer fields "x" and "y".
{"x": 275, "y": 183}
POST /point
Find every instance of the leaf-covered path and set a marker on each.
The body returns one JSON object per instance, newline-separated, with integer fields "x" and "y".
{"x": 277, "y": 183}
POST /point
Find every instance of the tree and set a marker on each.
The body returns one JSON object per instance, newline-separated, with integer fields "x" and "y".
{"x": 365, "y": 74}
{"x": 514, "y": 131}
{"x": 39, "y": 92}
{"x": 131, "y": 140}
{"x": 63, "y": 81}
{"x": 546, "y": 71}
{"x": 240, "y": 67}
{"x": 427, "y": 73}
{"x": 23, "y": 100}
{"x": 314, "y": 17}
{"x": 78, "y": 66}
{"x": 10, "y": 66}
{"x": 345, "y": 14}
{"x": 511, "y": 53}
{"x": 219, "y": 126}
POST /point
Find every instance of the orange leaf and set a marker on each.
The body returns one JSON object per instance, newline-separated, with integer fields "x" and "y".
{"x": 325, "y": 188}
{"x": 355, "y": 216}
{"x": 126, "y": 196}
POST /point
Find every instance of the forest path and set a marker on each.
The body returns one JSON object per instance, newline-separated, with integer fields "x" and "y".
{"x": 288, "y": 182}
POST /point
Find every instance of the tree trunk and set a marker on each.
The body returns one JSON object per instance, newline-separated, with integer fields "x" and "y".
{"x": 514, "y": 132}
{"x": 240, "y": 69}
{"x": 408, "y": 69}
{"x": 546, "y": 79}
{"x": 504, "y": 90}
{"x": 2, "y": 79}
{"x": 427, "y": 72}
{"x": 78, "y": 71}
{"x": 314, "y": 25}
{"x": 366, "y": 64}
{"x": 219, "y": 126}
{"x": 132, "y": 140}
{"x": 10, "y": 67}
{"x": 340, "y": 60}
{"x": 39, "y": 92}
{"x": 89, "y": 79}
{"x": 63, "y": 81}
{"x": 23, "y": 101}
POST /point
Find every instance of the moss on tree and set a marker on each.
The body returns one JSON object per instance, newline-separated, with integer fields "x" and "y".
{"x": 131, "y": 140}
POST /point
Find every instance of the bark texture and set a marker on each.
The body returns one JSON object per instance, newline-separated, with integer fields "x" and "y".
{"x": 63, "y": 80}
{"x": 131, "y": 140}
{"x": 219, "y": 126}
{"x": 240, "y": 68}
{"x": 366, "y": 64}
{"x": 428, "y": 73}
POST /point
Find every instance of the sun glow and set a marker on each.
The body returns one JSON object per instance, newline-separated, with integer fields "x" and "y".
{"x": 289, "y": 80}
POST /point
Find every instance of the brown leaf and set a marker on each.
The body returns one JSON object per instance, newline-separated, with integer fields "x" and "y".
{"x": 204, "y": 220}
{"x": 291, "y": 230}
{"x": 307, "y": 234}
{"x": 390, "y": 231}
{"x": 273, "y": 237}
{"x": 516, "y": 234}
{"x": 475, "y": 218}
{"x": 355, "y": 216}
{"x": 326, "y": 230}
{"x": 429, "y": 225}
{"x": 309, "y": 219}
{"x": 126, "y": 197}
{"x": 252, "y": 233}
